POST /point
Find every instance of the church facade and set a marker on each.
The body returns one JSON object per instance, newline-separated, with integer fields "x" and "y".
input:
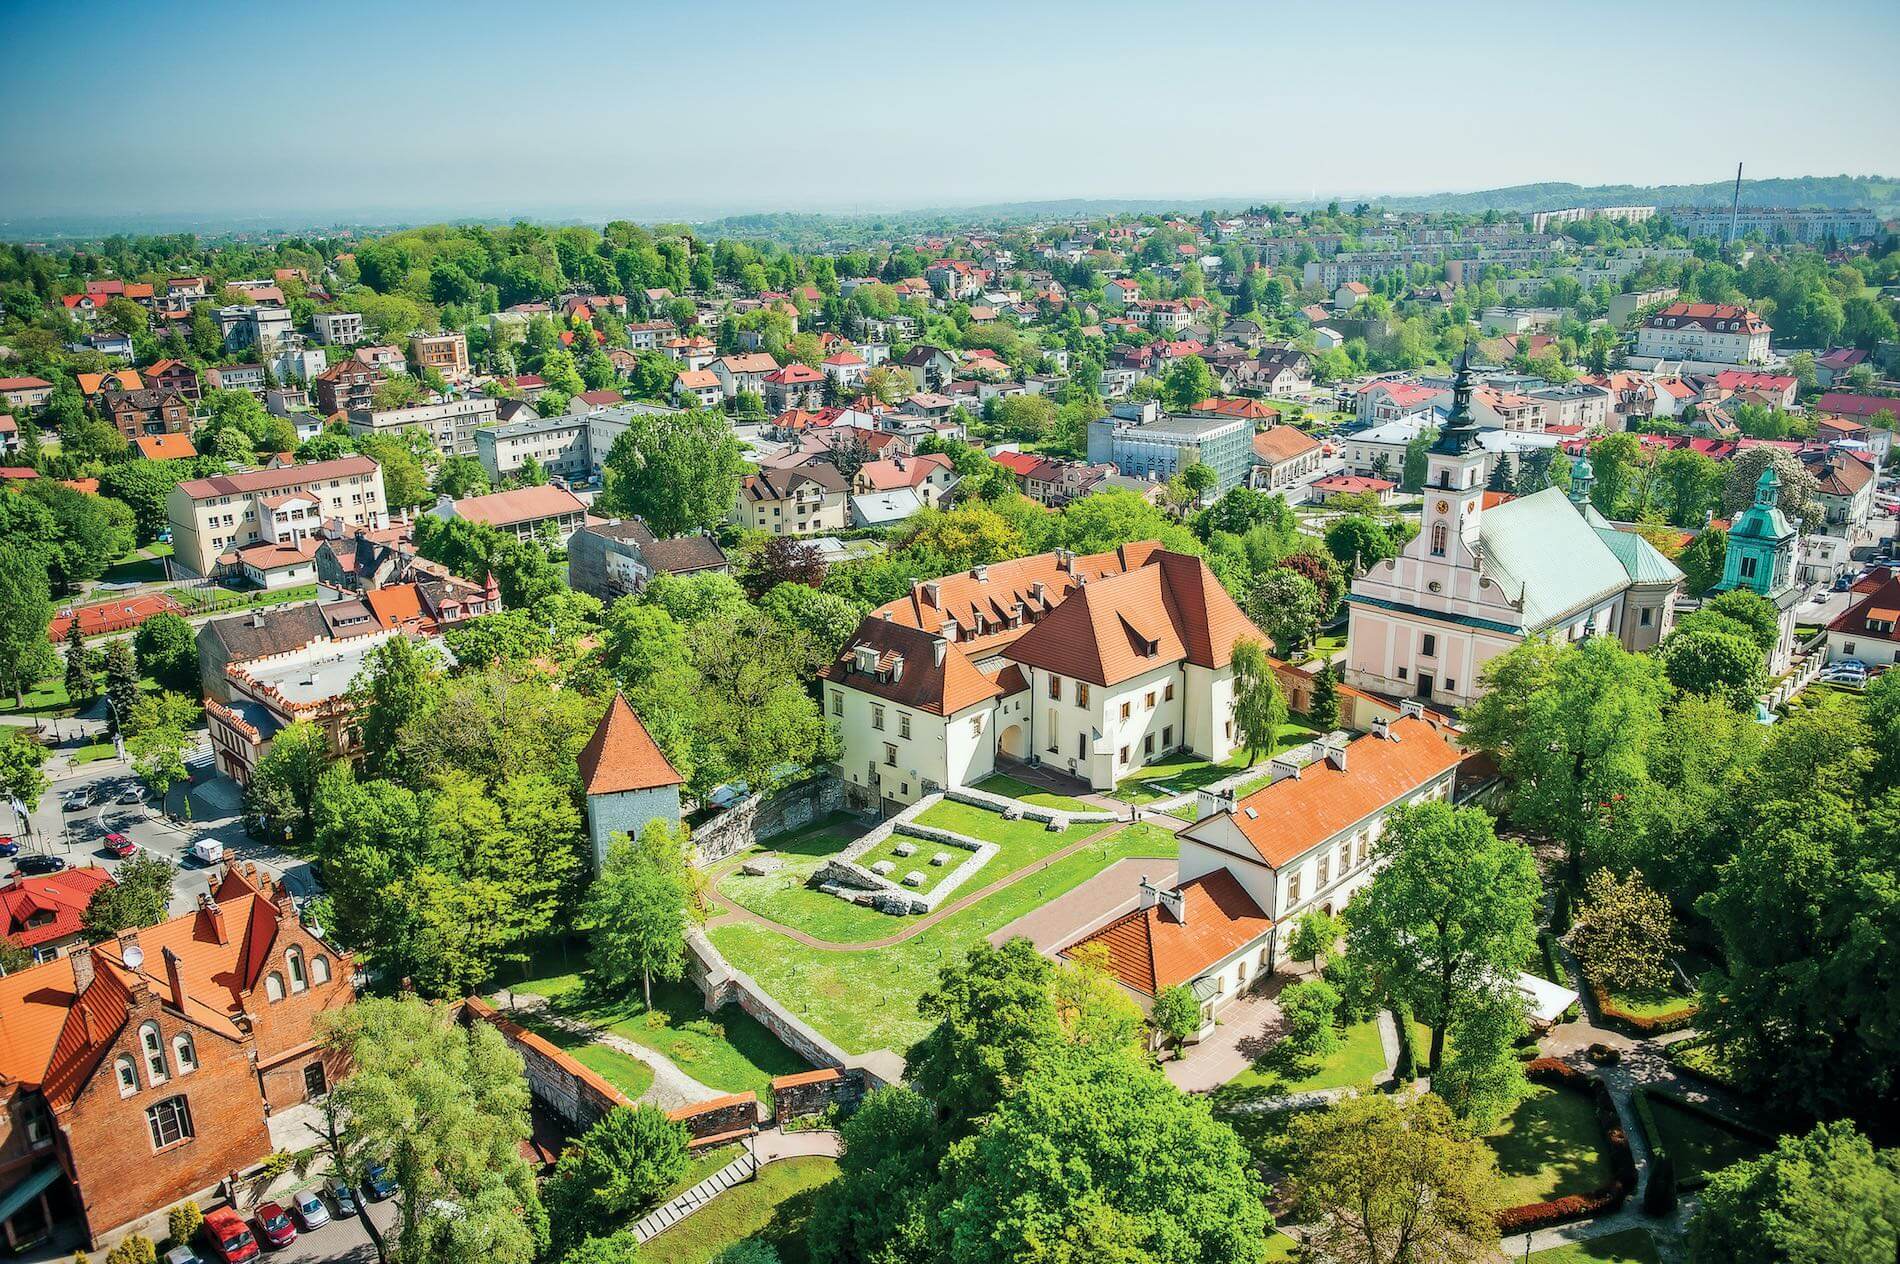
{"x": 1476, "y": 582}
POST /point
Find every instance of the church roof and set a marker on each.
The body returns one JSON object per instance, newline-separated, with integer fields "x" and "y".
{"x": 1541, "y": 547}
{"x": 622, "y": 755}
{"x": 1641, "y": 560}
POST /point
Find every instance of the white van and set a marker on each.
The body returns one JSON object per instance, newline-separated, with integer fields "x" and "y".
{"x": 207, "y": 851}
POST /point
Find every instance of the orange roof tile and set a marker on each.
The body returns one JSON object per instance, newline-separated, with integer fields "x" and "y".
{"x": 622, "y": 755}
{"x": 1150, "y": 949}
{"x": 164, "y": 447}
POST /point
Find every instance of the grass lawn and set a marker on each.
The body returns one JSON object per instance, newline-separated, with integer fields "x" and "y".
{"x": 728, "y": 1050}
{"x": 48, "y": 698}
{"x": 1178, "y": 774}
{"x": 701, "y": 1165}
{"x": 630, "y": 1075}
{"x": 1668, "y": 1000}
{"x": 1280, "y": 1247}
{"x": 1357, "y": 1061}
{"x": 1700, "y": 1145}
{"x": 210, "y": 600}
{"x": 91, "y": 752}
{"x": 772, "y": 1208}
{"x": 867, "y": 1000}
{"x": 1630, "y": 1246}
{"x": 783, "y": 896}
{"x": 135, "y": 568}
{"x": 922, "y": 849}
{"x": 1018, "y": 843}
{"x": 1549, "y": 1147}
{"x": 1010, "y": 788}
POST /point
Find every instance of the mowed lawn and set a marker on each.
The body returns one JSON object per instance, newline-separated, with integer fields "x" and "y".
{"x": 772, "y": 1208}
{"x": 783, "y": 897}
{"x": 1359, "y": 1059}
{"x": 1629, "y": 1246}
{"x": 1700, "y": 1145}
{"x": 921, "y": 850}
{"x": 1012, "y": 788}
{"x": 628, "y": 1074}
{"x": 1178, "y": 774}
{"x": 867, "y": 999}
{"x": 1549, "y": 1147}
{"x": 728, "y": 1050}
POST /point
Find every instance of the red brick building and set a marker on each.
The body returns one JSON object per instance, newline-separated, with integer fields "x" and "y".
{"x": 147, "y": 1069}
{"x": 42, "y": 912}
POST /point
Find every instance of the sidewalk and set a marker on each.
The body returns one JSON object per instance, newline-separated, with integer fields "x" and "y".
{"x": 769, "y": 1146}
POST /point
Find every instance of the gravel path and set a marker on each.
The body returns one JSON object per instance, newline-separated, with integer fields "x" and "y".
{"x": 671, "y": 1086}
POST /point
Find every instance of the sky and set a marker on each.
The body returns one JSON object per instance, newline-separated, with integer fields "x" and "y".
{"x": 357, "y": 112}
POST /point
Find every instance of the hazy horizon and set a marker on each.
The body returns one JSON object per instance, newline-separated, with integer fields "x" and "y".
{"x": 352, "y": 113}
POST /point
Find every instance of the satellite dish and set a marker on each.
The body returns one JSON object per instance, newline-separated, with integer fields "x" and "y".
{"x": 134, "y": 956}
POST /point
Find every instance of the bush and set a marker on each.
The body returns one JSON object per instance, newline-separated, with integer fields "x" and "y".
{"x": 620, "y": 1166}
{"x": 1620, "y": 1019}
{"x": 135, "y": 1248}
{"x": 1311, "y": 1010}
{"x": 1660, "y": 1198}
{"x": 184, "y": 1222}
{"x": 751, "y": 1251}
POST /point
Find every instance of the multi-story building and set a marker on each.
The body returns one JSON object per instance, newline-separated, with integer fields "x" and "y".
{"x": 1705, "y": 333}
{"x": 450, "y": 426}
{"x": 299, "y": 364}
{"x": 794, "y": 386}
{"x": 558, "y": 444}
{"x": 615, "y": 559}
{"x": 1142, "y": 442}
{"x": 151, "y": 1067}
{"x": 146, "y": 412}
{"x": 174, "y": 375}
{"x": 1380, "y": 451}
{"x": 743, "y": 373}
{"x": 255, "y": 327}
{"x": 527, "y": 513}
{"x": 213, "y": 516}
{"x": 337, "y": 329}
{"x": 237, "y": 377}
{"x": 345, "y": 387}
{"x": 44, "y": 913}
{"x": 1092, "y": 665}
{"x": 1777, "y": 224}
{"x": 1582, "y": 404}
{"x": 796, "y": 500}
{"x": 1285, "y": 457}
{"x": 446, "y": 353}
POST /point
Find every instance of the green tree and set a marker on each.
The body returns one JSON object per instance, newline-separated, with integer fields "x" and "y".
{"x": 1813, "y": 1199}
{"x": 1482, "y": 1078}
{"x": 1749, "y": 611}
{"x": 22, "y": 767}
{"x": 1176, "y": 1014}
{"x": 26, "y": 607}
{"x": 1623, "y": 933}
{"x": 280, "y": 798}
{"x": 1310, "y": 1009}
{"x": 1314, "y": 936}
{"x": 1715, "y": 665}
{"x": 678, "y": 472}
{"x": 460, "y": 476}
{"x": 1187, "y": 382}
{"x": 400, "y": 680}
{"x": 1198, "y": 478}
{"x": 881, "y": 1209}
{"x": 638, "y": 909}
{"x": 1701, "y": 562}
{"x": 995, "y": 1017}
{"x": 1413, "y": 471}
{"x": 622, "y": 1247}
{"x": 405, "y": 481}
{"x": 444, "y": 1108}
{"x": 81, "y": 685}
{"x": 1259, "y": 708}
{"x": 122, "y": 685}
{"x": 168, "y": 648}
{"x": 1323, "y": 708}
{"x": 1393, "y": 1180}
{"x": 140, "y": 894}
{"x": 1286, "y": 606}
{"x": 1451, "y": 911}
{"x": 1358, "y": 541}
{"x": 619, "y": 1166}
{"x": 144, "y": 487}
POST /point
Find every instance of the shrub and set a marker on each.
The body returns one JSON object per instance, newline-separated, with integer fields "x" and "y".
{"x": 618, "y": 1167}
{"x": 1310, "y": 1010}
{"x": 1659, "y": 1199}
{"x": 134, "y": 1248}
{"x": 1618, "y": 1018}
{"x": 184, "y": 1222}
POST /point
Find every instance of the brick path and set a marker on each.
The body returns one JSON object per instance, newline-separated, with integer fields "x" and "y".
{"x": 729, "y": 911}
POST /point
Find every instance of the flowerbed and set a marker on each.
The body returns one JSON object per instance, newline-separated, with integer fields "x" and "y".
{"x": 1640, "y": 1024}
{"x": 1597, "y": 1202}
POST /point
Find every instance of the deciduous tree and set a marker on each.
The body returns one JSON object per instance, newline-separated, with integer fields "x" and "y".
{"x": 1259, "y": 708}
{"x": 637, "y": 910}
{"x": 1813, "y": 1199}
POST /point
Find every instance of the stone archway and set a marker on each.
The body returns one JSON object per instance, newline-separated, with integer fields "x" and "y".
{"x": 1015, "y": 745}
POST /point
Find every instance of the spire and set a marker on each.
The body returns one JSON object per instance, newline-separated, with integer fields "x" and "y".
{"x": 1582, "y": 477}
{"x": 1768, "y": 488}
{"x": 1460, "y": 436}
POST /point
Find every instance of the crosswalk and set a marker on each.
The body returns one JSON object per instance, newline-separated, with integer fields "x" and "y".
{"x": 739, "y": 1170}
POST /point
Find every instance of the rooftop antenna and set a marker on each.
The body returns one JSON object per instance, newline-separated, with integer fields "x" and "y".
{"x": 1735, "y": 207}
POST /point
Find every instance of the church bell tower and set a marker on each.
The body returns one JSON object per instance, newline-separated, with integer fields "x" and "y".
{"x": 1454, "y": 472}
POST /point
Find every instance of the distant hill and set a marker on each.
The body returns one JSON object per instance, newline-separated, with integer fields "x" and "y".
{"x": 1881, "y": 193}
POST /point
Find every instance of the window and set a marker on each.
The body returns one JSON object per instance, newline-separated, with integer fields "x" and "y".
{"x": 128, "y": 1076}
{"x": 1081, "y": 746}
{"x": 1345, "y": 855}
{"x": 1081, "y": 694}
{"x": 184, "y": 1053}
{"x": 1148, "y": 746}
{"x": 1052, "y": 731}
{"x": 1055, "y": 688}
{"x": 1429, "y": 647}
{"x": 1644, "y": 621}
{"x": 890, "y": 755}
{"x": 154, "y": 1048}
{"x": 1122, "y": 756}
{"x": 1748, "y": 568}
{"x": 1167, "y": 693}
{"x": 1148, "y": 702}
{"x": 1450, "y": 684}
{"x": 1439, "y": 535}
{"x": 903, "y": 724}
{"x": 38, "y": 1124}
{"x": 1325, "y": 871}
{"x": 1401, "y": 673}
{"x": 1293, "y": 889}
{"x": 976, "y": 726}
{"x": 273, "y": 987}
{"x": 170, "y": 1122}
{"x": 837, "y": 702}
{"x": 1167, "y": 735}
{"x": 1126, "y": 710}
{"x": 877, "y": 717}
{"x": 1362, "y": 849}
{"x": 315, "y": 1084}
{"x": 293, "y": 958}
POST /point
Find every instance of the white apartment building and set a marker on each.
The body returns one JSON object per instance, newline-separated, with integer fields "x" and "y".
{"x": 450, "y": 426}
{"x": 213, "y": 517}
{"x": 558, "y": 444}
{"x": 337, "y": 329}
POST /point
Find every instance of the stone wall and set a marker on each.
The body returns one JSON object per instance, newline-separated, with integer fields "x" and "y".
{"x": 761, "y": 817}
{"x": 575, "y": 1094}
{"x": 812, "y": 1092}
{"x": 720, "y": 1118}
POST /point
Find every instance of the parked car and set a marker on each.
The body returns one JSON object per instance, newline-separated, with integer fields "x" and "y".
{"x": 274, "y": 1223}
{"x": 121, "y": 846}
{"x": 378, "y": 1184}
{"x": 7, "y": 846}
{"x": 309, "y": 1210}
{"x": 342, "y": 1197}
{"x": 183, "y": 1255}
{"x": 35, "y": 863}
{"x": 73, "y": 800}
{"x": 132, "y": 794}
{"x": 229, "y": 1236}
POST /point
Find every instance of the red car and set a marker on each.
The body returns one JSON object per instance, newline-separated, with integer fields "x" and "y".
{"x": 274, "y": 1223}
{"x": 229, "y": 1237}
{"x": 120, "y": 846}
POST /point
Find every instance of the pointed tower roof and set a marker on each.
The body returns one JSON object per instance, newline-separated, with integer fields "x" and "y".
{"x": 622, "y": 755}
{"x": 1460, "y": 436}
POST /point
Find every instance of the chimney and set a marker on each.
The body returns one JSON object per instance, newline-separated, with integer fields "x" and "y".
{"x": 1382, "y": 730}
{"x": 1279, "y": 769}
{"x": 937, "y": 648}
{"x": 1038, "y": 591}
{"x": 1336, "y": 756}
{"x": 214, "y": 915}
{"x": 175, "y": 979}
{"x": 1149, "y": 893}
{"x": 81, "y": 957}
{"x": 1175, "y": 903}
{"x": 1065, "y": 560}
{"x": 257, "y": 618}
{"x": 980, "y": 573}
{"x": 1411, "y": 709}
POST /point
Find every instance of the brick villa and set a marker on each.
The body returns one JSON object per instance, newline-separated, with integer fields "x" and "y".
{"x": 150, "y": 1068}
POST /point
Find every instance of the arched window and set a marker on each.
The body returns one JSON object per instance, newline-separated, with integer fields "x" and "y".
{"x": 293, "y": 960}
{"x": 273, "y": 986}
{"x": 319, "y": 969}
{"x": 1439, "y": 536}
{"x": 128, "y": 1074}
{"x": 184, "y": 1053}
{"x": 154, "y": 1046}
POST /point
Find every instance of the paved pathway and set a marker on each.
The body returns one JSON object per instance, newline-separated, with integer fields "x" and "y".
{"x": 914, "y": 926}
{"x": 1097, "y": 901}
{"x": 768, "y": 1147}
{"x": 671, "y": 1086}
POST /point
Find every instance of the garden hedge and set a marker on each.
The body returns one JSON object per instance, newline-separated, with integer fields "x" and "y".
{"x": 1639, "y": 1025}
{"x": 1600, "y": 1201}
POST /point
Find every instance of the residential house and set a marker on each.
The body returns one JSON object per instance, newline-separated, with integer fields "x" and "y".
{"x": 236, "y": 377}
{"x": 618, "y": 558}
{"x": 557, "y": 444}
{"x": 931, "y": 477}
{"x": 1846, "y": 491}
{"x": 1388, "y": 400}
{"x": 802, "y": 499}
{"x": 146, "y": 412}
{"x": 174, "y": 375}
{"x": 347, "y": 386}
{"x": 526, "y": 512}
{"x": 846, "y": 369}
{"x": 930, "y": 368}
{"x": 26, "y": 392}
{"x": 449, "y": 426}
{"x": 209, "y": 517}
{"x": 263, "y": 632}
{"x": 156, "y": 1065}
{"x": 337, "y": 329}
{"x": 92, "y": 385}
{"x": 699, "y": 388}
{"x": 42, "y": 913}
{"x": 446, "y": 353}
{"x": 794, "y": 386}
{"x": 255, "y": 327}
{"x": 164, "y": 447}
{"x": 1868, "y": 631}
{"x": 743, "y": 373}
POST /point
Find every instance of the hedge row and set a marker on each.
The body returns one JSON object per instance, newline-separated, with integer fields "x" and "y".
{"x": 1597, "y": 1202}
{"x": 1639, "y": 1024}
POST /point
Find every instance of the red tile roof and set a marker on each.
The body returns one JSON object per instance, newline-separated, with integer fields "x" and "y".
{"x": 164, "y": 447}
{"x": 1283, "y": 443}
{"x": 1880, "y": 606}
{"x": 270, "y": 480}
{"x": 523, "y": 504}
{"x": 622, "y": 755}
{"x": 1710, "y": 316}
{"x": 62, "y": 895}
{"x": 1150, "y": 949}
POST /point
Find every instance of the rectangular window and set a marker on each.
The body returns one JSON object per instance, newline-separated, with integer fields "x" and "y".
{"x": 877, "y": 717}
{"x": 170, "y": 1122}
{"x": 1081, "y": 746}
{"x": 1325, "y": 871}
{"x": 1167, "y": 736}
{"x": 903, "y": 724}
{"x": 1148, "y": 701}
{"x": 890, "y": 755}
{"x": 1126, "y": 708}
{"x": 1148, "y": 745}
{"x": 837, "y": 702}
{"x": 976, "y": 726}
{"x": 1362, "y": 849}
{"x": 1345, "y": 855}
{"x": 1429, "y": 647}
{"x": 1081, "y": 694}
{"x": 1645, "y": 617}
{"x": 1293, "y": 890}
{"x": 1401, "y": 673}
{"x": 314, "y": 1082}
{"x": 1122, "y": 757}
{"x": 1055, "y": 688}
